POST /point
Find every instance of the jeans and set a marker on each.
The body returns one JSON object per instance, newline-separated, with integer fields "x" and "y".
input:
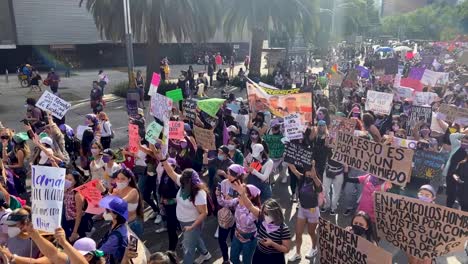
{"x": 192, "y": 240}
{"x": 336, "y": 184}
{"x": 247, "y": 249}
{"x": 222, "y": 238}
{"x": 171, "y": 224}
{"x": 352, "y": 193}
{"x": 137, "y": 227}
{"x": 147, "y": 186}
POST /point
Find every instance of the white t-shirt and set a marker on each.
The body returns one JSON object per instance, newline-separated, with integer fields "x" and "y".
{"x": 3, "y": 227}
{"x": 140, "y": 159}
{"x": 186, "y": 211}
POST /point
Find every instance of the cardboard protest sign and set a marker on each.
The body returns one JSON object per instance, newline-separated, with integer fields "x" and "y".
{"x": 386, "y": 162}
{"x": 176, "y": 130}
{"x": 423, "y": 230}
{"x": 175, "y": 95}
{"x": 452, "y": 114}
{"x": 336, "y": 79}
{"x": 92, "y": 195}
{"x": 403, "y": 92}
{"x": 48, "y": 185}
{"x": 293, "y": 126}
{"x": 152, "y": 132}
{"x": 428, "y": 164}
{"x": 418, "y": 114}
{"x": 298, "y": 155}
{"x": 204, "y": 137}
{"x": 155, "y": 80}
{"x": 338, "y": 246}
{"x": 338, "y": 123}
{"x": 275, "y": 145}
{"x": 378, "y": 102}
{"x": 424, "y": 98}
{"x": 133, "y": 138}
{"x": 210, "y": 106}
{"x": 189, "y": 107}
{"x": 56, "y": 105}
{"x": 161, "y": 107}
{"x": 281, "y": 102}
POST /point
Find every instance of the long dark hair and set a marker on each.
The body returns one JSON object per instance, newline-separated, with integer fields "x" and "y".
{"x": 190, "y": 175}
{"x": 255, "y": 200}
{"x": 370, "y": 232}
{"x": 168, "y": 257}
{"x": 132, "y": 183}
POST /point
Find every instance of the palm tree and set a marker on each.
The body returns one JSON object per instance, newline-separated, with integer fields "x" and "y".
{"x": 156, "y": 21}
{"x": 260, "y": 16}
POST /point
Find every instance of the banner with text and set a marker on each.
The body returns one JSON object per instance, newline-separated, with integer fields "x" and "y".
{"x": 428, "y": 164}
{"x": 293, "y": 126}
{"x": 92, "y": 195}
{"x": 298, "y": 155}
{"x": 56, "y": 105}
{"x": 338, "y": 123}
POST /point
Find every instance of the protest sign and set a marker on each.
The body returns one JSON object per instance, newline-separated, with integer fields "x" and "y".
{"x": 452, "y": 114}
{"x": 431, "y": 77}
{"x": 336, "y": 79}
{"x": 189, "y": 107}
{"x": 155, "y": 80}
{"x": 47, "y": 188}
{"x": 275, "y": 145}
{"x": 404, "y": 92}
{"x": 234, "y": 107}
{"x": 428, "y": 164}
{"x": 424, "y": 98}
{"x": 92, "y": 195}
{"x": 338, "y": 246}
{"x": 243, "y": 121}
{"x": 338, "y": 123}
{"x": 386, "y": 162}
{"x": 405, "y": 143}
{"x": 204, "y": 137}
{"x": 176, "y": 130}
{"x": 298, "y": 155}
{"x": 152, "y": 132}
{"x": 378, "y": 102}
{"x": 288, "y": 101}
{"x": 418, "y": 114}
{"x": 161, "y": 107}
{"x": 56, "y": 105}
{"x": 210, "y": 106}
{"x": 133, "y": 138}
{"x": 411, "y": 83}
{"x": 80, "y": 131}
{"x": 423, "y": 230}
{"x": 175, "y": 95}
{"x": 293, "y": 126}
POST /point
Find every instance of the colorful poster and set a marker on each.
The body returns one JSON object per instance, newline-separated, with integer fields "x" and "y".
{"x": 176, "y": 130}
{"x": 152, "y": 132}
{"x": 293, "y": 126}
{"x": 54, "y": 104}
{"x": 155, "y": 80}
{"x": 161, "y": 107}
{"x": 92, "y": 195}
{"x": 47, "y": 188}
{"x": 418, "y": 114}
{"x": 210, "y": 106}
{"x": 133, "y": 138}
{"x": 431, "y": 77}
{"x": 428, "y": 164}
{"x": 338, "y": 123}
{"x": 275, "y": 145}
{"x": 189, "y": 107}
{"x": 204, "y": 137}
{"x": 424, "y": 98}
{"x": 175, "y": 95}
{"x": 378, "y": 102}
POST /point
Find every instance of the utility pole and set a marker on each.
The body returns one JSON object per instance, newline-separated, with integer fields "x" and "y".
{"x": 129, "y": 41}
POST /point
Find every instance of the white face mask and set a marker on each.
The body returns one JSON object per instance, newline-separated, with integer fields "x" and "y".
{"x": 231, "y": 147}
{"x": 13, "y": 231}
{"x": 268, "y": 219}
{"x": 121, "y": 185}
{"x": 107, "y": 216}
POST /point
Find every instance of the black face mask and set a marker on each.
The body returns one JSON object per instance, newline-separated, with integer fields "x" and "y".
{"x": 358, "y": 230}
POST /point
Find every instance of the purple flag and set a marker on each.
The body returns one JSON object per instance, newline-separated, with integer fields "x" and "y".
{"x": 363, "y": 71}
{"x": 225, "y": 134}
{"x": 416, "y": 73}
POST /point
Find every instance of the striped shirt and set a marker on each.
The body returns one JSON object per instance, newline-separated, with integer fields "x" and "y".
{"x": 278, "y": 236}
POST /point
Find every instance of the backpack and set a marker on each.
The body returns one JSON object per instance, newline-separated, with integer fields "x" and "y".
{"x": 225, "y": 218}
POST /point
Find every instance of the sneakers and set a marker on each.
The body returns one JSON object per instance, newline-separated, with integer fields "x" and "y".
{"x": 348, "y": 212}
{"x": 158, "y": 219}
{"x": 295, "y": 257}
{"x": 161, "y": 229}
{"x": 203, "y": 258}
{"x": 332, "y": 212}
{"x": 312, "y": 253}
{"x": 216, "y": 234}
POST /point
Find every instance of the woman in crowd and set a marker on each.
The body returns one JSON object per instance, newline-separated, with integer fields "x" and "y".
{"x": 46, "y": 153}
{"x": 106, "y": 133}
{"x": 258, "y": 123}
{"x": 234, "y": 151}
{"x": 320, "y": 140}
{"x": 53, "y": 131}
{"x": 259, "y": 166}
{"x": 90, "y": 135}
{"x": 110, "y": 167}
{"x": 309, "y": 211}
{"x": 361, "y": 225}
{"x": 459, "y": 145}
{"x": 19, "y": 241}
{"x": 126, "y": 188}
{"x": 96, "y": 167}
{"x": 369, "y": 126}
{"x": 15, "y": 160}
{"x": 461, "y": 178}
{"x": 140, "y": 85}
{"x": 191, "y": 209}
{"x": 333, "y": 179}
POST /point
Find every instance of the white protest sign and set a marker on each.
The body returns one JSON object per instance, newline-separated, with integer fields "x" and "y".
{"x": 431, "y": 77}
{"x": 378, "y": 102}
{"x": 161, "y": 107}
{"x": 424, "y": 98}
{"x": 56, "y": 105}
{"x": 80, "y": 131}
{"x": 293, "y": 126}
{"x": 404, "y": 92}
{"x": 48, "y": 185}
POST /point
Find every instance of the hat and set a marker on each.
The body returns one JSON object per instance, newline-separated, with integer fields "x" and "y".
{"x": 233, "y": 129}
{"x": 187, "y": 127}
{"x": 85, "y": 245}
{"x": 429, "y": 188}
{"x": 115, "y": 204}
{"x": 224, "y": 149}
{"x": 322, "y": 123}
{"x": 109, "y": 152}
{"x": 237, "y": 169}
{"x": 3, "y": 202}
{"x": 20, "y": 137}
{"x": 257, "y": 149}
{"x": 141, "y": 112}
{"x": 225, "y": 218}
{"x": 254, "y": 191}
{"x": 47, "y": 140}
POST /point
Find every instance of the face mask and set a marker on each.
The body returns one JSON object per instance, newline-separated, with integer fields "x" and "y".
{"x": 425, "y": 199}
{"x": 13, "y": 231}
{"x": 221, "y": 157}
{"x": 358, "y": 230}
{"x": 320, "y": 116}
{"x": 254, "y": 136}
{"x": 183, "y": 144}
{"x": 68, "y": 184}
{"x": 395, "y": 128}
{"x": 105, "y": 159}
{"x": 269, "y": 226}
{"x": 121, "y": 185}
{"x": 107, "y": 216}
{"x": 231, "y": 147}
{"x": 268, "y": 219}
{"x": 95, "y": 152}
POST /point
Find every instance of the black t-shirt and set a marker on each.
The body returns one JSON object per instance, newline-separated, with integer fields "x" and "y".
{"x": 167, "y": 187}
{"x": 308, "y": 193}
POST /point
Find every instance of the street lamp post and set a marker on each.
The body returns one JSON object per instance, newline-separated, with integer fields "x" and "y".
{"x": 129, "y": 41}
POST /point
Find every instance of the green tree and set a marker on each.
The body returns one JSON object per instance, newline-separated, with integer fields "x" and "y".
{"x": 156, "y": 21}
{"x": 260, "y": 16}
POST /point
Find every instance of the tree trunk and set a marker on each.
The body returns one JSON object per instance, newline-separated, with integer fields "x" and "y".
{"x": 153, "y": 60}
{"x": 258, "y": 36}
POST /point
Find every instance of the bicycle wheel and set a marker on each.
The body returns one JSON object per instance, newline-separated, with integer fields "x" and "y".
{"x": 24, "y": 83}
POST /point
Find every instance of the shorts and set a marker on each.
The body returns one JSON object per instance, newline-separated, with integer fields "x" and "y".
{"x": 312, "y": 215}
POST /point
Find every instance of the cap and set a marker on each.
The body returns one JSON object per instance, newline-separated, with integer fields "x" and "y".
{"x": 141, "y": 112}
{"x": 254, "y": 191}
{"x": 20, "y": 137}
{"x": 276, "y": 122}
{"x": 429, "y": 188}
{"x": 85, "y": 245}
{"x": 257, "y": 149}
{"x": 232, "y": 128}
{"x": 224, "y": 149}
{"x": 109, "y": 152}
{"x": 115, "y": 204}
{"x": 237, "y": 169}
{"x": 15, "y": 217}
{"x": 47, "y": 140}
